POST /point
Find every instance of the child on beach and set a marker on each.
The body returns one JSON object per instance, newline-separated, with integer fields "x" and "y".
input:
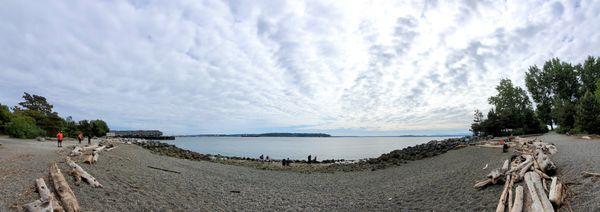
{"x": 59, "y": 138}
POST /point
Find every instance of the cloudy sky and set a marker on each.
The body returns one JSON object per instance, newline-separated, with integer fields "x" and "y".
{"x": 341, "y": 67}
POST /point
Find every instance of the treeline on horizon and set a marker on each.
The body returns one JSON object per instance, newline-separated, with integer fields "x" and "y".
{"x": 566, "y": 96}
{"x": 262, "y": 135}
{"x": 34, "y": 118}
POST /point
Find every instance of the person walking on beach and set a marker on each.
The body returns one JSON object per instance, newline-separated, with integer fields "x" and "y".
{"x": 80, "y": 137}
{"x": 59, "y": 138}
{"x": 309, "y": 157}
{"x": 89, "y": 139}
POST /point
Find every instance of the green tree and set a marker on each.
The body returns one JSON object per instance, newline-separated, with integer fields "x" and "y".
{"x": 4, "y": 117}
{"x": 86, "y": 128}
{"x": 512, "y": 112}
{"x": 99, "y": 128}
{"x": 477, "y": 127}
{"x": 589, "y": 73}
{"x": 36, "y": 103}
{"x": 538, "y": 84}
{"x": 23, "y": 127}
{"x": 588, "y": 114}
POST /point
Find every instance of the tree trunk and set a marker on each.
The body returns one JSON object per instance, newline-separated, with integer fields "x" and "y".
{"x": 76, "y": 151}
{"x": 65, "y": 193}
{"x": 88, "y": 178}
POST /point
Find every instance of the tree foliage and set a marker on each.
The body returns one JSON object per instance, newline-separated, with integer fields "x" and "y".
{"x": 34, "y": 116}
{"x": 23, "y": 127}
{"x": 512, "y": 112}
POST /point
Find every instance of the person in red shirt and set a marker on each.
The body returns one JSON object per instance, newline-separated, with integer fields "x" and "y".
{"x": 59, "y": 137}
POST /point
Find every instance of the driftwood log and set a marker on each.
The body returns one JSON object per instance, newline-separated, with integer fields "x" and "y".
{"x": 90, "y": 147}
{"x": 76, "y": 151}
{"x": 88, "y": 178}
{"x": 502, "y": 202}
{"x": 517, "y": 205}
{"x": 590, "y": 174}
{"x": 38, "y": 206}
{"x": 540, "y": 201}
{"x": 69, "y": 202}
{"x": 555, "y": 195}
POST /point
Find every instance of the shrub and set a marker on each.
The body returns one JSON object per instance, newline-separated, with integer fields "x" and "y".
{"x": 23, "y": 127}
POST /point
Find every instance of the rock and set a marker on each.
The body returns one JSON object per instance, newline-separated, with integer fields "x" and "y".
{"x": 40, "y": 139}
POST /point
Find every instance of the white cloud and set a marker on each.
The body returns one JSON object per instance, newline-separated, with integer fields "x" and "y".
{"x": 238, "y": 66}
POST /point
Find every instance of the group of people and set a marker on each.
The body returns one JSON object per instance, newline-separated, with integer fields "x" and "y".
{"x": 60, "y": 136}
{"x": 314, "y": 160}
{"x": 286, "y": 162}
{"x": 263, "y": 158}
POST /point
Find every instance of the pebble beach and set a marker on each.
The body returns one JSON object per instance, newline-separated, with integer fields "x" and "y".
{"x": 442, "y": 183}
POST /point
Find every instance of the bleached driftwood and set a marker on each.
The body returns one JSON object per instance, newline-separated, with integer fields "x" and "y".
{"x": 556, "y": 192}
{"x": 590, "y": 174}
{"x": 110, "y": 148}
{"x": 45, "y": 194}
{"x": 494, "y": 175}
{"x": 38, "y": 206}
{"x": 517, "y": 206}
{"x": 528, "y": 159}
{"x": 76, "y": 176}
{"x": 76, "y": 151}
{"x": 69, "y": 202}
{"x": 98, "y": 149}
{"x": 483, "y": 183}
{"x": 95, "y": 156}
{"x": 90, "y": 147}
{"x": 540, "y": 201}
{"x": 89, "y": 158}
{"x": 88, "y": 178}
{"x": 510, "y": 192}
{"x": 502, "y": 202}
{"x": 544, "y": 162}
{"x": 505, "y": 166}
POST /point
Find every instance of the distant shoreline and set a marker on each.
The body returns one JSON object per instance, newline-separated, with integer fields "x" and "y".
{"x": 312, "y": 135}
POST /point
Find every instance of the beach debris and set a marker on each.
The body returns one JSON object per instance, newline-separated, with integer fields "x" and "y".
{"x": 485, "y": 167}
{"x": 69, "y": 202}
{"x": 556, "y": 191}
{"x": 166, "y": 170}
{"x": 76, "y": 151}
{"x": 235, "y": 191}
{"x": 47, "y": 201}
{"x": 586, "y": 137}
{"x": 531, "y": 162}
{"x": 517, "y": 205}
{"x": 90, "y": 147}
{"x": 76, "y": 175}
{"x": 502, "y": 202}
{"x": 590, "y": 174}
{"x": 88, "y": 178}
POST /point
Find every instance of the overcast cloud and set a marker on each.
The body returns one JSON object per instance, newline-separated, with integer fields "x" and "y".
{"x": 344, "y": 67}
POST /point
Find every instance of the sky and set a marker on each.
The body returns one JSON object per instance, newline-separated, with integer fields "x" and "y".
{"x": 339, "y": 67}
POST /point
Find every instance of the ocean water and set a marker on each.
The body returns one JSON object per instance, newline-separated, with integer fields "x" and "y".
{"x": 349, "y": 148}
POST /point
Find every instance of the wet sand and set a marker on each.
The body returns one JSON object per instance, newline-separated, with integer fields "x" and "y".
{"x": 441, "y": 183}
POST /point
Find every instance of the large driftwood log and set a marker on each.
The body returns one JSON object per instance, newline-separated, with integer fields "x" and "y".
{"x": 88, "y": 178}
{"x": 45, "y": 194}
{"x": 544, "y": 161}
{"x": 76, "y": 176}
{"x": 528, "y": 159}
{"x": 502, "y": 202}
{"x": 494, "y": 175}
{"x": 65, "y": 193}
{"x": 98, "y": 149}
{"x": 540, "y": 201}
{"x": 76, "y": 151}
{"x": 517, "y": 206}
{"x": 556, "y": 192}
{"x": 90, "y": 147}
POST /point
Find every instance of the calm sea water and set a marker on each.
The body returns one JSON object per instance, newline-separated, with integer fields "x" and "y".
{"x": 350, "y": 148}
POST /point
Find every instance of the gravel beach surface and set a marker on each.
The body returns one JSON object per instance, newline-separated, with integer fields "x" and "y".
{"x": 441, "y": 183}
